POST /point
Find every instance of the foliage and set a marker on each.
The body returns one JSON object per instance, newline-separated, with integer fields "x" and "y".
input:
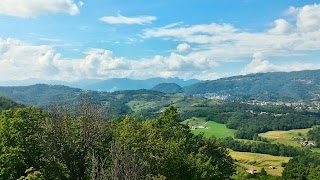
{"x": 6, "y": 104}
{"x": 168, "y": 148}
{"x": 19, "y": 141}
{"x": 262, "y": 147}
{"x": 79, "y": 143}
{"x": 314, "y": 135}
{"x": 303, "y": 167}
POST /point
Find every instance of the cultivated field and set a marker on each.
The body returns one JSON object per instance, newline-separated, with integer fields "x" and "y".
{"x": 255, "y": 161}
{"x": 286, "y": 137}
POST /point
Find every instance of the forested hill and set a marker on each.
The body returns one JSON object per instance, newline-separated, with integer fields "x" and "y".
{"x": 43, "y": 95}
{"x": 276, "y": 86}
{"x": 40, "y": 94}
{"x": 168, "y": 88}
{"x": 8, "y": 103}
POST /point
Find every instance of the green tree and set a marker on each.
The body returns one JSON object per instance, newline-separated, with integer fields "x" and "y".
{"x": 314, "y": 173}
{"x": 263, "y": 172}
{"x": 167, "y": 148}
{"x": 19, "y": 141}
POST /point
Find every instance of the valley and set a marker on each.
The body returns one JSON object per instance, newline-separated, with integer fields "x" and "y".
{"x": 257, "y": 134}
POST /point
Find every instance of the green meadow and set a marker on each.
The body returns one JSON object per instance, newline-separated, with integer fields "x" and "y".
{"x": 213, "y": 128}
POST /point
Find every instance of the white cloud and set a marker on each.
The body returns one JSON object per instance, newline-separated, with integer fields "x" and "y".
{"x": 184, "y": 47}
{"x": 224, "y": 42}
{"x": 34, "y": 8}
{"x": 198, "y": 33}
{"x": 259, "y": 65}
{"x": 308, "y": 18}
{"x": 19, "y": 60}
{"x": 119, "y": 19}
{"x": 213, "y": 45}
{"x": 281, "y": 27}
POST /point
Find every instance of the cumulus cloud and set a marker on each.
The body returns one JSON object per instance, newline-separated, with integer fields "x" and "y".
{"x": 184, "y": 47}
{"x": 119, "y": 19}
{"x": 19, "y": 60}
{"x": 281, "y": 26}
{"x": 225, "y": 42}
{"x": 213, "y": 45}
{"x": 308, "y": 18}
{"x": 259, "y": 65}
{"x": 34, "y": 8}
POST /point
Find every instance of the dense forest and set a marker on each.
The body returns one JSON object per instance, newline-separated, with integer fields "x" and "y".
{"x": 79, "y": 143}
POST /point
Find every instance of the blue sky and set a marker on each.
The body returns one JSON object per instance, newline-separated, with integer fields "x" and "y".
{"x": 207, "y": 39}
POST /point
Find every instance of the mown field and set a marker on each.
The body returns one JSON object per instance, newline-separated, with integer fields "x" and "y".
{"x": 256, "y": 161}
{"x": 214, "y": 129}
{"x": 286, "y": 137}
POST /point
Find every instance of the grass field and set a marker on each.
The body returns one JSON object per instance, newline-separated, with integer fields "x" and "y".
{"x": 257, "y": 161}
{"x": 286, "y": 137}
{"x": 216, "y": 129}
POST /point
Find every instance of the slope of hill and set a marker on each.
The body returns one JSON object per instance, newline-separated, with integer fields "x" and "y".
{"x": 6, "y": 103}
{"x": 168, "y": 88}
{"x": 116, "y": 84}
{"x": 40, "y": 94}
{"x": 277, "y": 86}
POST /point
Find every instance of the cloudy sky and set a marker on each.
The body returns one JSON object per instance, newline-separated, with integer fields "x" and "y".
{"x": 204, "y": 39}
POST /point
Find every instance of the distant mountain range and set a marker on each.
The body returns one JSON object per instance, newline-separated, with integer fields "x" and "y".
{"x": 117, "y": 84}
{"x": 276, "y": 86}
{"x": 303, "y": 86}
{"x": 109, "y": 85}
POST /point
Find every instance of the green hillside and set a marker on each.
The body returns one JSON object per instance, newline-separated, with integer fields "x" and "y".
{"x": 277, "y": 86}
{"x": 8, "y": 104}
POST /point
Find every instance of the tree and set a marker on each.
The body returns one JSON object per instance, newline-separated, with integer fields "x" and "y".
{"x": 167, "y": 148}
{"x": 314, "y": 173}
{"x": 19, "y": 141}
{"x": 263, "y": 172}
{"x": 77, "y": 141}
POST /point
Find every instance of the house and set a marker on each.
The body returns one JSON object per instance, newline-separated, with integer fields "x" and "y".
{"x": 198, "y": 127}
{"x": 307, "y": 143}
{"x": 251, "y": 171}
{"x": 272, "y": 167}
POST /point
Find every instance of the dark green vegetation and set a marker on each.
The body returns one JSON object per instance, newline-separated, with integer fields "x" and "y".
{"x": 168, "y": 88}
{"x": 80, "y": 144}
{"x": 262, "y": 147}
{"x": 278, "y": 86}
{"x": 314, "y": 135}
{"x": 6, "y": 104}
{"x": 305, "y": 166}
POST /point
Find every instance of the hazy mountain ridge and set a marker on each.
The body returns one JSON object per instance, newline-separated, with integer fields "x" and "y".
{"x": 110, "y": 85}
{"x": 276, "y": 86}
{"x": 116, "y": 84}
